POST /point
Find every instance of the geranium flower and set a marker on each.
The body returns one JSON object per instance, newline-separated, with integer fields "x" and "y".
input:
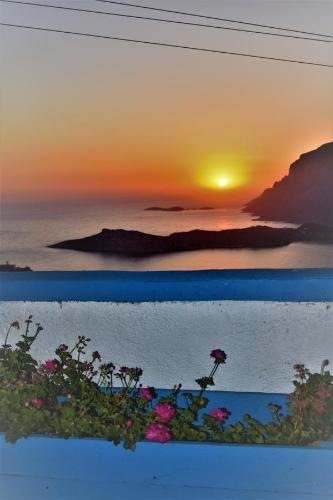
{"x": 164, "y": 411}
{"x": 50, "y": 365}
{"x": 220, "y": 414}
{"x": 158, "y": 432}
{"x": 218, "y": 355}
{"x": 61, "y": 348}
{"x": 147, "y": 393}
{"x": 37, "y": 402}
{"x": 96, "y": 355}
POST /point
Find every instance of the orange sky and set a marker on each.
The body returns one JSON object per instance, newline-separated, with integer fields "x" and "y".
{"x": 91, "y": 119}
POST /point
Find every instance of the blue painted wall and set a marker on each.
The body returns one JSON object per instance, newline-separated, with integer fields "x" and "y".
{"x": 87, "y": 469}
{"x": 309, "y": 285}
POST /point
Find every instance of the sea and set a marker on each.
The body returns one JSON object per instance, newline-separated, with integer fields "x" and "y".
{"x": 26, "y": 232}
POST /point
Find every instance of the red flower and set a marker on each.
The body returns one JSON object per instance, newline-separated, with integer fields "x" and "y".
{"x": 37, "y": 402}
{"x": 96, "y": 355}
{"x": 50, "y": 365}
{"x": 218, "y": 355}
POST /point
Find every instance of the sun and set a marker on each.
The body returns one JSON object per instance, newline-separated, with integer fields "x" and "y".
{"x": 222, "y": 181}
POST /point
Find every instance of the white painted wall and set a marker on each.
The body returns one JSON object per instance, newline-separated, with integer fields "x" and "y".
{"x": 171, "y": 341}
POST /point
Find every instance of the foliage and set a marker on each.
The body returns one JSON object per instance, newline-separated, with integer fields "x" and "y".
{"x": 72, "y": 396}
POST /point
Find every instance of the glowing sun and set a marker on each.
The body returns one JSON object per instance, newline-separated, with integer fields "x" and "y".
{"x": 222, "y": 182}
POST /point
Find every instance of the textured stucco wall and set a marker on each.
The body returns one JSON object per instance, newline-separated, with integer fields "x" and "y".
{"x": 171, "y": 341}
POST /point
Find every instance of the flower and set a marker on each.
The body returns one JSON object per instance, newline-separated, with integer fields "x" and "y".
{"x": 96, "y": 355}
{"x": 106, "y": 369}
{"x": 158, "y": 432}
{"x": 301, "y": 371}
{"x": 68, "y": 396}
{"x": 147, "y": 393}
{"x": 220, "y": 414}
{"x": 218, "y": 355}
{"x": 129, "y": 422}
{"x": 164, "y": 411}
{"x": 61, "y": 348}
{"x": 15, "y": 324}
{"x": 37, "y": 402}
{"x": 50, "y": 365}
{"x": 135, "y": 373}
{"x": 132, "y": 373}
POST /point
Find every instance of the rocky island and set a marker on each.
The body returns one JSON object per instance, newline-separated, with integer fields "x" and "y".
{"x": 136, "y": 243}
{"x": 175, "y": 209}
{"x": 304, "y": 195}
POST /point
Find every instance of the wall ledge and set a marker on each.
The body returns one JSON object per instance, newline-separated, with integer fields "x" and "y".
{"x": 290, "y": 285}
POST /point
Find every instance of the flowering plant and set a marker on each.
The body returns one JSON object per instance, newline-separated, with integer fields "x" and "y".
{"x": 74, "y": 396}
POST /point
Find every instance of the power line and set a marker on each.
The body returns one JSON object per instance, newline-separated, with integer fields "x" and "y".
{"x": 192, "y": 14}
{"x": 171, "y": 21}
{"x": 162, "y": 44}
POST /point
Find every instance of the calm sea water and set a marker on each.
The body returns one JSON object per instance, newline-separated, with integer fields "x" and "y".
{"x": 26, "y": 232}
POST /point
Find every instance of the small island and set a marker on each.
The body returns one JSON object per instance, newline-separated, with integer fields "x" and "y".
{"x": 137, "y": 243}
{"x": 175, "y": 209}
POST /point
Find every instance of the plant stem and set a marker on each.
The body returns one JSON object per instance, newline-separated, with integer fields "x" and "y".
{"x": 7, "y": 335}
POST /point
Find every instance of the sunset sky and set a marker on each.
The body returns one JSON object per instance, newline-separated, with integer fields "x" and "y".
{"x": 87, "y": 119}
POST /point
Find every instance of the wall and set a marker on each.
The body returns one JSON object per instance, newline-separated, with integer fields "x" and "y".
{"x": 171, "y": 341}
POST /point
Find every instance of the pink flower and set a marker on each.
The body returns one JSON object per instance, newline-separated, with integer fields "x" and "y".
{"x": 69, "y": 396}
{"x": 37, "y": 402}
{"x": 220, "y": 414}
{"x": 164, "y": 411}
{"x": 129, "y": 422}
{"x": 50, "y": 365}
{"x": 147, "y": 393}
{"x": 218, "y": 355}
{"x": 158, "y": 432}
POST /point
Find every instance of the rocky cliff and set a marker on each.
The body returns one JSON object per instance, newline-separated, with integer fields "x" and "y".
{"x": 304, "y": 195}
